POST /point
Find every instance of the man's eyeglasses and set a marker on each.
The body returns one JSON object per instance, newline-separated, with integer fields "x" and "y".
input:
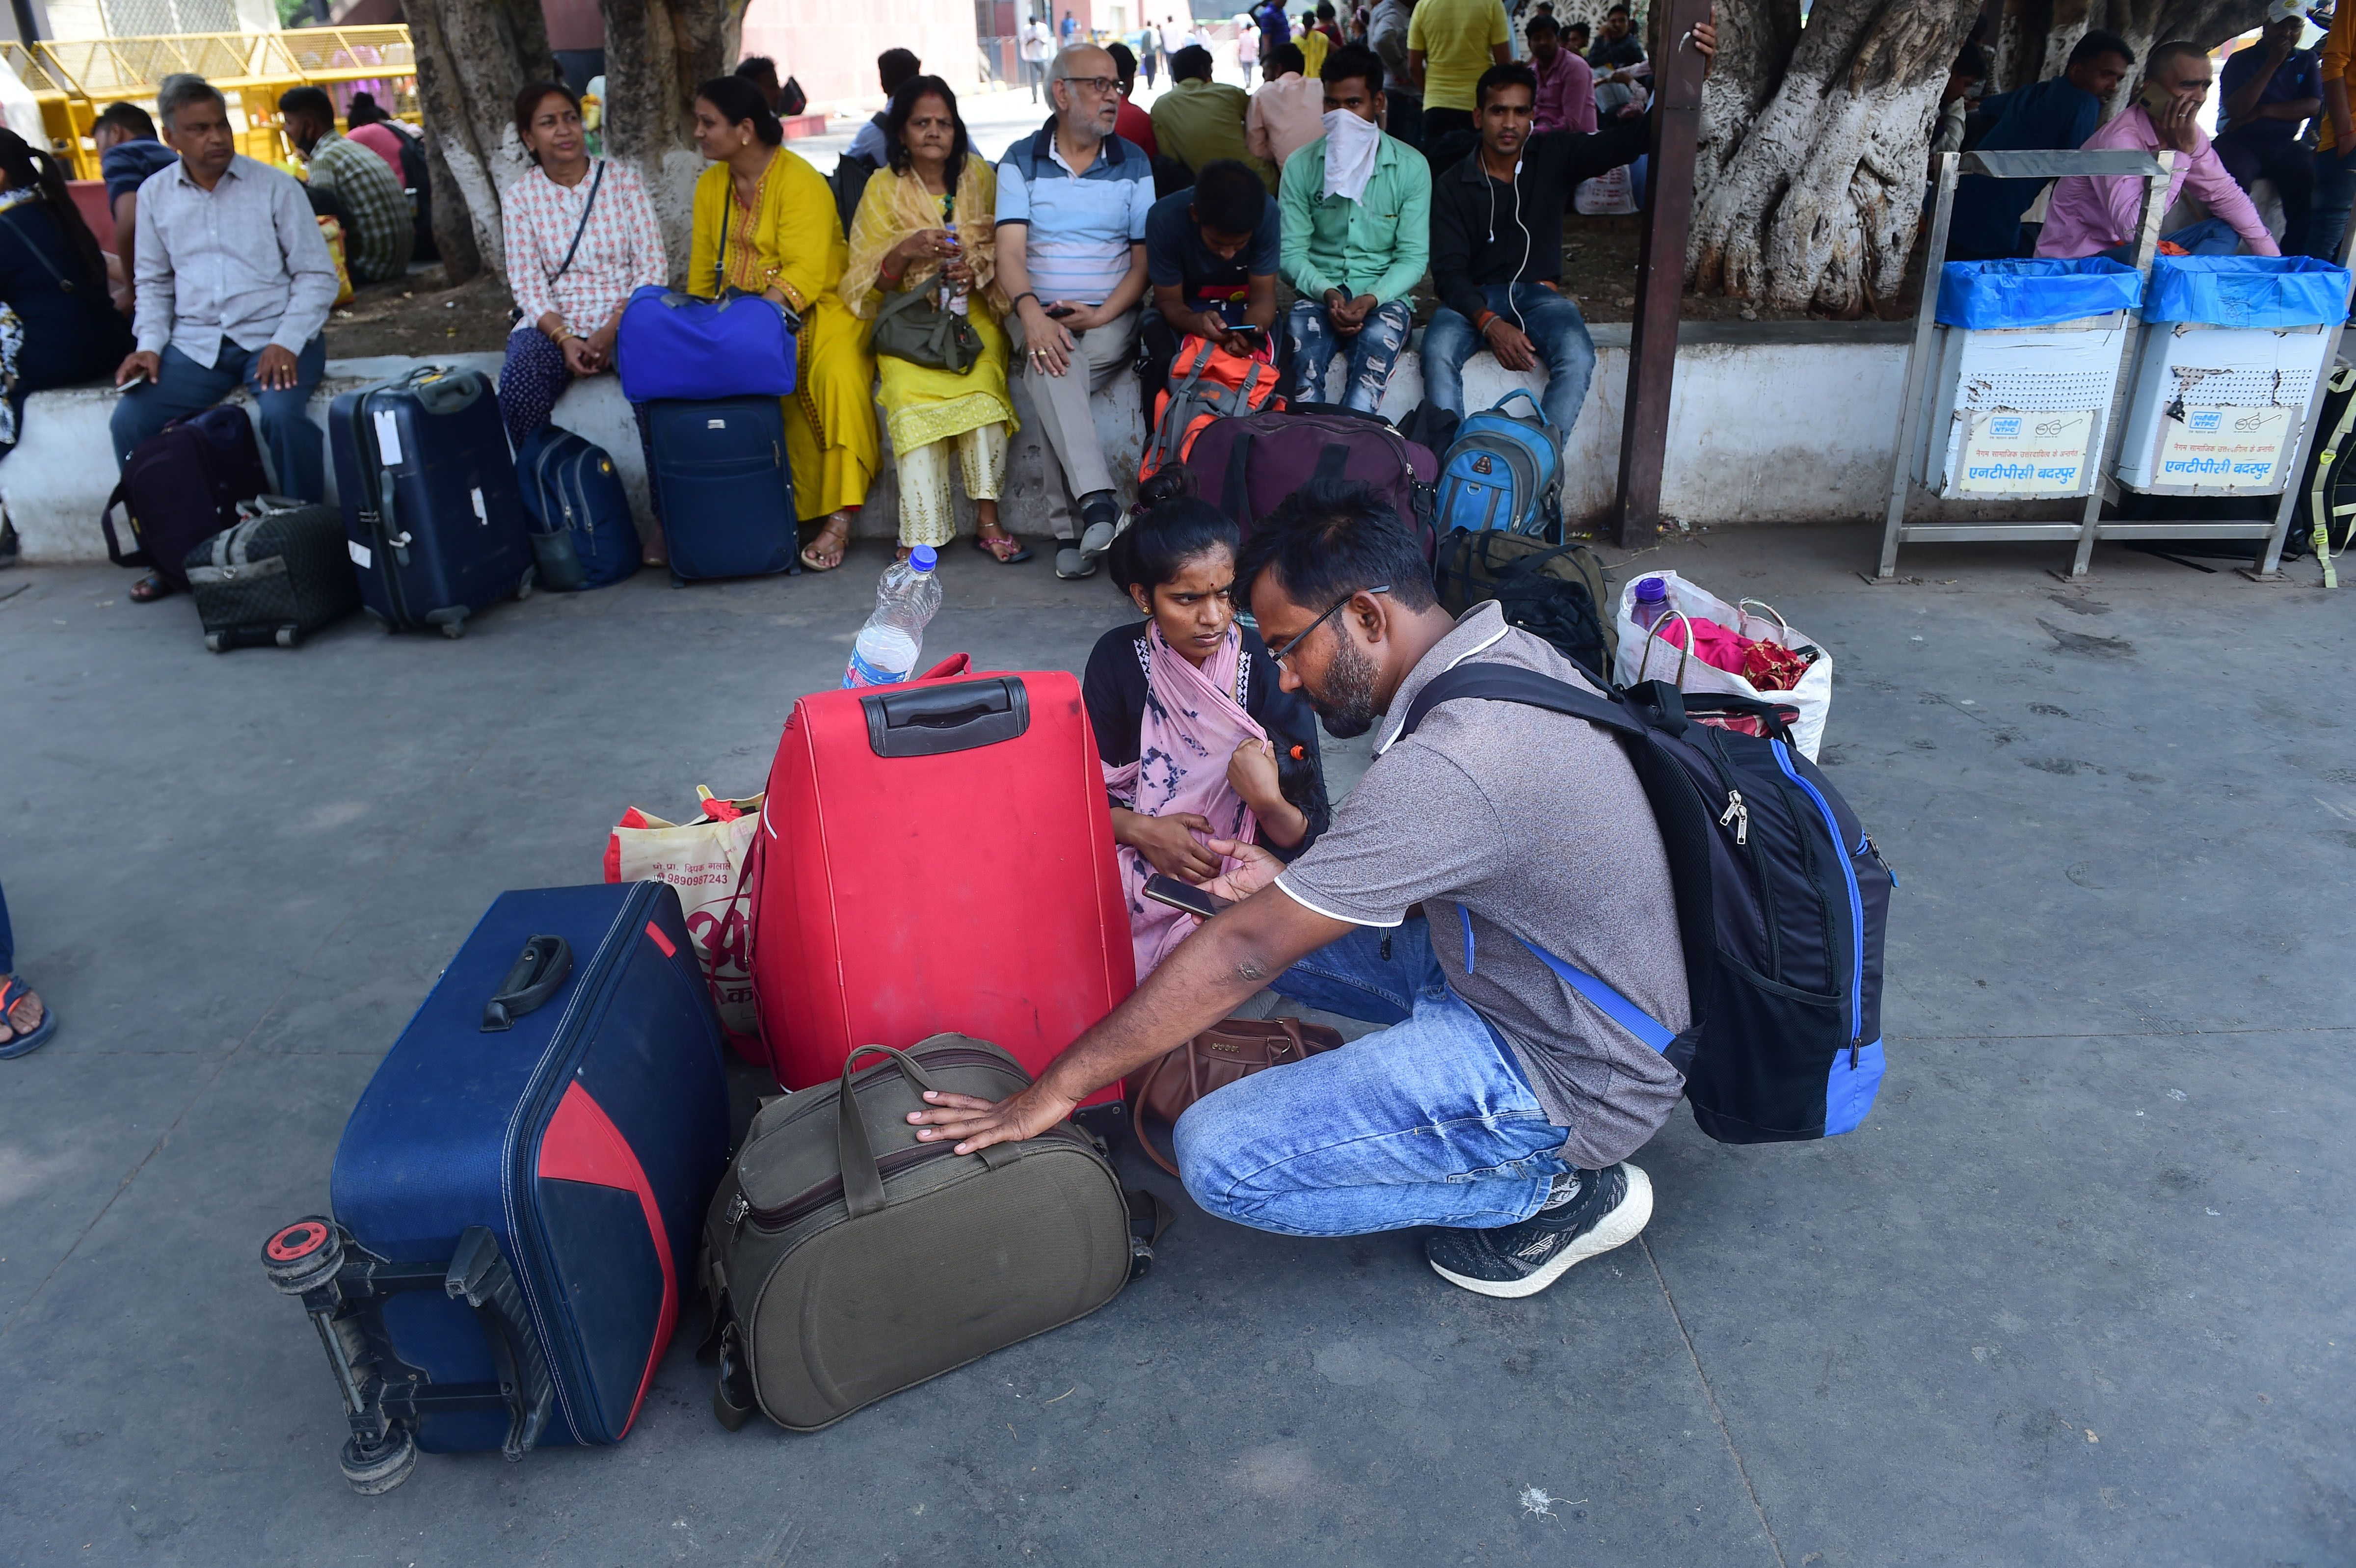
{"x": 1102, "y": 86}
{"x": 1284, "y": 652}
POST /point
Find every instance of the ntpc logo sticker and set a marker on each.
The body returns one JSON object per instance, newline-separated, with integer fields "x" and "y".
{"x": 2207, "y": 419}
{"x": 2007, "y": 426}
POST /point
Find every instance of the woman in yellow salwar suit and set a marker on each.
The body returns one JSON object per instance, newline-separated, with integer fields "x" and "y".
{"x": 766, "y": 223}
{"x": 929, "y": 216}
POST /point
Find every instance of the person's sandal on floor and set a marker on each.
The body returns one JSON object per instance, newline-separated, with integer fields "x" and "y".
{"x": 1586, "y": 1212}
{"x": 825, "y": 552}
{"x": 150, "y": 588}
{"x": 1003, "y": 547}
{"x": 25, "y": 1021}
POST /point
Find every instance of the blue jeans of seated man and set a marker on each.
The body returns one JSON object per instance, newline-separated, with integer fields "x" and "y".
{"x": 2210, "y": 237}
{"x": 1555, "y": 327}
{"x": 2335, "y": 194}
{"x": 1372, "y": 351}
{"x": 1428, "y": 1121}
{"x": 183, "y": 387}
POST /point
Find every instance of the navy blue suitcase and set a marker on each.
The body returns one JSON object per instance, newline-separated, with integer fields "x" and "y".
{"x": 722, "y": 486}
{"x": 437, "y": 527}
{"x": 519, "y": 1192}
{"x": 582, "y": 533}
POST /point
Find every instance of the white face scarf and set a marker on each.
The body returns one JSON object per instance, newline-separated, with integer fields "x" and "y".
{"x": 1351, "y": 144}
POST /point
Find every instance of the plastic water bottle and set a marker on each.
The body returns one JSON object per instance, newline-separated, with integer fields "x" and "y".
{"x": 1651, "y": 602}
{"x": 906, "y": 599}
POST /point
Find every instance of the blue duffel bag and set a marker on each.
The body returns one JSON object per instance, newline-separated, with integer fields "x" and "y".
{"x": 676, "y": 345}
{"x": 582, "y": 535}
{"x": 2247, "y": 290}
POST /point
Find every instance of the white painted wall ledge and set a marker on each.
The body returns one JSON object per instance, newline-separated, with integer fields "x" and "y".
{"x": 1771, "y": 422}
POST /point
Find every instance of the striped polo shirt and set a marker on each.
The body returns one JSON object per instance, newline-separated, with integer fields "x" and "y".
{"x": 1081, "y": 225}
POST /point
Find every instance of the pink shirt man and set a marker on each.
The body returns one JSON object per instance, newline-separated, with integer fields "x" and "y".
{"x": 2089, "y": 214}
{"x": 1285, "y": 116}
{"x": 1566, "y": 94}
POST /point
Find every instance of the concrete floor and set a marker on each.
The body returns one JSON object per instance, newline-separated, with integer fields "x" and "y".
{"x": 2074, "y": 1293}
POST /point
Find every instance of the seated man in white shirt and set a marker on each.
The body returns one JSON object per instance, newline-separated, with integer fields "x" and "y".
{"x": 234, "y": 285}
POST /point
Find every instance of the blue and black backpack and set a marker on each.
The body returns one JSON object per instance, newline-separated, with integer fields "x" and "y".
{"x": 1502, "y": 470}
{"x": 582, "y": 534}
{"x": 1781, "y": 900}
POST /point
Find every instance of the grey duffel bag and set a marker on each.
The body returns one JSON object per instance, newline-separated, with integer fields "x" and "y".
{"x": 847, "y": 1260}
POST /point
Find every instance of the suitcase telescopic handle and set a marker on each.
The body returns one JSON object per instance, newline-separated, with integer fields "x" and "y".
{"x": 934, "y": 721}
{"x": 534, "y": 977}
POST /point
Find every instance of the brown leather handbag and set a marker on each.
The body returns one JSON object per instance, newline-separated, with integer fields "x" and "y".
{"x": 1233, "y": 1048}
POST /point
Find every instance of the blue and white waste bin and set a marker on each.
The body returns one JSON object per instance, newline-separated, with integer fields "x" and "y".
{"x": 2228, "y": 366}
{"x": 2027, "y": 365}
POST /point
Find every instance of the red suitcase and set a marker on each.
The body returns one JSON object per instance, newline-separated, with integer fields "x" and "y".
{"x": 936, "y": 856}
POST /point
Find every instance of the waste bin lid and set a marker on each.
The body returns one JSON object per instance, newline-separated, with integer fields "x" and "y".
{"x": 2247, "y": 290}
{"x": 2034, "y": 292}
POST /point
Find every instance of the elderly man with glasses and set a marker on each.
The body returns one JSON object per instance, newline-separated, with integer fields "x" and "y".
{"x": 1072, "y": 205}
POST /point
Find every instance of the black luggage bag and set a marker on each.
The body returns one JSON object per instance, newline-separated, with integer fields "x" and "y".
{"x": 182, "y": 487}
{"x": 436, "y": 525}
{"x": 282, "y": 573}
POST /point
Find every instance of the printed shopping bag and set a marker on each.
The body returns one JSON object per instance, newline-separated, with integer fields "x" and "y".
{"x": 1652, "y": 655}
{"x": 704, "y": 860}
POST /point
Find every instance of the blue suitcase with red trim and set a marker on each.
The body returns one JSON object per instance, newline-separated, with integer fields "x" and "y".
{"x": 519, "y": 1192}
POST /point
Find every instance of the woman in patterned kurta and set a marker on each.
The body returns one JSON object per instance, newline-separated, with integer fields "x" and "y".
{"x": 766, "y": 223}
{"x": 933, "y": 213}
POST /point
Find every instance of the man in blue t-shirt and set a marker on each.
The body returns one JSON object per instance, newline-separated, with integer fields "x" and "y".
{"x": 2055, "y": 115}
{"x": 1211, "y": 254}
{"x": 2269, "y": 90}
{"x": 128, "y": 153}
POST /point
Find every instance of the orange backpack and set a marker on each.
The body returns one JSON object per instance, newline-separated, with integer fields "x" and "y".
{"x": 1207, "y": 382}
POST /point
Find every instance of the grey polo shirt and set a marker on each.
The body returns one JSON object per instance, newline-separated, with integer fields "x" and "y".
{"x": 1507, "y": 822}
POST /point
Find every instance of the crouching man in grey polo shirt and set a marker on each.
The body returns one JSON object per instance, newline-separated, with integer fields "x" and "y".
{"x": 1500, "y": 1104}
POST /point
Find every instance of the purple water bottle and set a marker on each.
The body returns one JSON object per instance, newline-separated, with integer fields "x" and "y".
{"x": 1651, "y": 602}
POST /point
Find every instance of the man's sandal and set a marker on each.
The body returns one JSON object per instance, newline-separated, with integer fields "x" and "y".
{"x": 15, "y": 994}
{"x": 150, "y": 588}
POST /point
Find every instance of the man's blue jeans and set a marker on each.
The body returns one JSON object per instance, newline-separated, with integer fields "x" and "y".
{"x": 1428, "y": 1121}
{"x": 296, "y": 457}
{"x": 2335, "y": 194}
{"x": 1554, "y": 325}
{"x": 2210, "y": 237}
{"x": 1373, "y": 352}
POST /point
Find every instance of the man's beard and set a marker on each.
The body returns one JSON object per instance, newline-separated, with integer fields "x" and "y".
{"x": 1346, "y": 706}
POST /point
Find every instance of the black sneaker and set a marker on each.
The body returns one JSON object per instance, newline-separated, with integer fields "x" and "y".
{"x": 1607, "y": 1209}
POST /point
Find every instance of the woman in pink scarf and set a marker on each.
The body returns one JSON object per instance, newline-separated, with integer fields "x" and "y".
{"x": 1198, "y": 740}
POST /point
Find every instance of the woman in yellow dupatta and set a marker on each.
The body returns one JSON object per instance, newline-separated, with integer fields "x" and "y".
{"x": 934, "y": 212}
{"x": 783, "y": 240}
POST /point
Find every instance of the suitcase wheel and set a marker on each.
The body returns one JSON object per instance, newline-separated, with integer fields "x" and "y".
{"x": 375, "y": 1468}
{"x": 453, "y": 630}
{"x": 215, "y": 643}
{"x": 304, "y": 1255}
{"x": 524, "y": 588}
{"x": 288, "y": 636}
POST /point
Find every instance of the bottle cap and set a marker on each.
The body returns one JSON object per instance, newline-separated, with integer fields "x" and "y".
{"x": 922, "y": 558}
{"x": 1651, "y": 590}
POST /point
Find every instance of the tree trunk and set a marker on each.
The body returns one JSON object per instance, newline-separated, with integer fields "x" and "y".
{"x": 2035, "y": 36}
{"x": 1816, "y": 202}
{"x": 453, "y": 226}
{"x": 1754, "y": 39}
{"x": 656, "y": 53}
{"x": 473, "y": 56}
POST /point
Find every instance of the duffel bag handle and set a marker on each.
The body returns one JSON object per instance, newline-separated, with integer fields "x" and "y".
{"x": 863, "y": 1184}
{"x": 534, "y": 977}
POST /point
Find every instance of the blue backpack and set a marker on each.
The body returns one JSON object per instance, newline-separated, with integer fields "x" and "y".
{"x": 1502, "y": 470}
{"x": 581, "y": 535}
{"x": 1781, "y": 901}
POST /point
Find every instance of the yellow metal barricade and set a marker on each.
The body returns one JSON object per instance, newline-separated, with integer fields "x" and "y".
{"x": 74, "y": 78}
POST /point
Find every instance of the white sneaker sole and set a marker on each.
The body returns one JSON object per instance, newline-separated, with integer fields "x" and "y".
{"x": 1616, "y": 1229}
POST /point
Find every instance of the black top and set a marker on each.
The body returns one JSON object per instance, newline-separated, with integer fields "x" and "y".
{"x": 70, "y": 336}
{"x": 1175, "y": 256}
{"x": 1114, "y": 687}
{"x": 1478, "y": 233}
{"x": 1610, "y": 54}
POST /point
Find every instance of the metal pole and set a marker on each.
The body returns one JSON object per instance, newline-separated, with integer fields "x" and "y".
{"x": 1918, "y": 362}
{"x": 1668, "y": 217}
{"x": 2155, "y": 209}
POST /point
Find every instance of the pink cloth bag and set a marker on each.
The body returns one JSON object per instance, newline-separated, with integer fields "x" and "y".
{"x": 1192, "y": 725}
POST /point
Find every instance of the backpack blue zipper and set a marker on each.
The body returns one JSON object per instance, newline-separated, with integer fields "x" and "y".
{"x": 1855, "y": 901}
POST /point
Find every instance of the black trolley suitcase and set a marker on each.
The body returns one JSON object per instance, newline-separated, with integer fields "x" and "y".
{"x": 277, "y": 576}
{"x": 436, "y": 525}
{"x": 723, "y": 487}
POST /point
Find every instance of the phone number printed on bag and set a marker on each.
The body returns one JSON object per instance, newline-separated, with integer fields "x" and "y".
{"x": 2017, "y": 454}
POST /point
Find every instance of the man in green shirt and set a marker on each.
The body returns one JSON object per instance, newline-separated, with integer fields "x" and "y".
{"x": 1357, "y": 206}
{"x": 384, "y": 229}
{"x": 1198, "y": 122}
